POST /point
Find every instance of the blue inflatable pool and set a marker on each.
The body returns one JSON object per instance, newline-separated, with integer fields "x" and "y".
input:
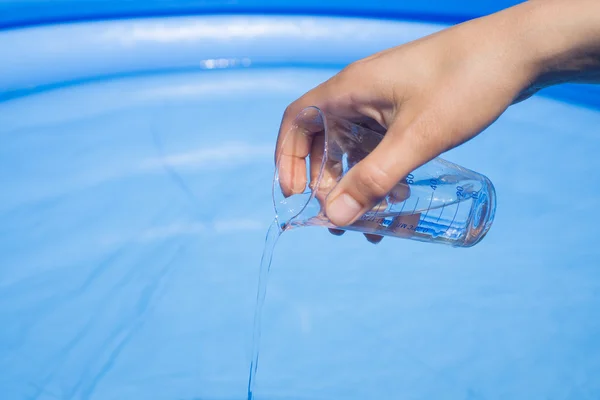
{"x": 136, "y": 160}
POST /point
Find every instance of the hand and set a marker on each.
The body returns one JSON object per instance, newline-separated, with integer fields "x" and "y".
{"x": 435, "y": 93}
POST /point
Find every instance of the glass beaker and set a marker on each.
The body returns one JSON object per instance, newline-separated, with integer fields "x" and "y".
{"x": 438, "y": 202}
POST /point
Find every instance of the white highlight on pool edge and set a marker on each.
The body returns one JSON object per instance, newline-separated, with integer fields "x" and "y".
{"x": 213, "y": 63}
{"x": 250, "y": 28}
{"x": 232, "y": 154}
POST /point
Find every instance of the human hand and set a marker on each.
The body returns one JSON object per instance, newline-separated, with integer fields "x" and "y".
{"x": 435, "y": 93}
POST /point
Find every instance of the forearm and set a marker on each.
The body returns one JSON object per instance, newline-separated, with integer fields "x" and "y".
{"x": 564, "y": 40}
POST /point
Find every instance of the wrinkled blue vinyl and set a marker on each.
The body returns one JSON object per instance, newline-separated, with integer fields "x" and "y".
{"x": 136, "y": 159}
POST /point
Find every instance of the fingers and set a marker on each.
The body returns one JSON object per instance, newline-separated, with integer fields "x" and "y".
{"x": 292, "y": 167}
{"x": 409, "y": 143}
{"x": 400, "y": 192}
{"x": 366, "y": 183}
{"x": 296, "y": 132}
{"x": 405, "y": 225}
{"x": 401, "y": 226}
{"x": 293, "y": 145}
{"x": 294, "y": 140}
{"x": 292, "y": 149}
{"x": 373, "y": 238}
{"x": 336, "y": 232}
{"x": 329, "y": 174}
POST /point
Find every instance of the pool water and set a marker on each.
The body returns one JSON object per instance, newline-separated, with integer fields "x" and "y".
{"x": 136, "y": 173}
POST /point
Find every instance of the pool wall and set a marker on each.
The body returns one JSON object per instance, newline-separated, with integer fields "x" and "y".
{"x": 23, "y": 13}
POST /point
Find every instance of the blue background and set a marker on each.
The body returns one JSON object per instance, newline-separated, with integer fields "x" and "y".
{"x": 31, "y": 12}
{"x": 40, "y": 11}
{"x": 135, "y": 192}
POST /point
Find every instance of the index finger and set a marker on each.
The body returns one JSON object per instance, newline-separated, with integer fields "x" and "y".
{"x": 294, "y": 142}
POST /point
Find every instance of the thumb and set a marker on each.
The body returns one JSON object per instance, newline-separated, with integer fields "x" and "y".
{"x": 370, "y": 180}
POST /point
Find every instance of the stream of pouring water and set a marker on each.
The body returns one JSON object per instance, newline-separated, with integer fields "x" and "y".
{"x": 265, "y": 265}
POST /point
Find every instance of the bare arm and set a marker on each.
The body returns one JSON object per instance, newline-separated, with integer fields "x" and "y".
{"x": 439, "y": 91}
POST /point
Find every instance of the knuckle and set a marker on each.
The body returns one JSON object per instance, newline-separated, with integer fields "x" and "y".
{"x": 290, "y": 111}
{"x": 352, "y": 71}
{"x": 372, "y": 181}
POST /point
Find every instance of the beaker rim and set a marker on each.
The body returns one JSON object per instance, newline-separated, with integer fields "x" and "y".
{"x": 323, "y": 118}
{"x": 325, "y": 121}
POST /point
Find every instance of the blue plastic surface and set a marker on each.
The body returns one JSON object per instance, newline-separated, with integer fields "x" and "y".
{"x": 23, "y": 12}
{"x": 136, "y": 165}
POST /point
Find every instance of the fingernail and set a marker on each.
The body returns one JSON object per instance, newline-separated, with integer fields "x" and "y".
{"x": 343, "y": 209}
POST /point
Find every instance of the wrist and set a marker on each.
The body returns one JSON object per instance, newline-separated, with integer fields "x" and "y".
{"x": 562, "y": 39}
